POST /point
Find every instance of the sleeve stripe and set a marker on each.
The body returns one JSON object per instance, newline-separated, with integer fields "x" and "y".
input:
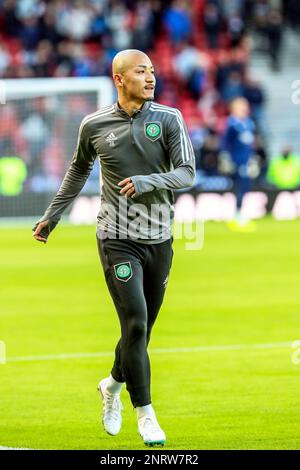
{"x": 92, "y": 116}
{"x": 190, "y": 150}
{"x": 182, "y": 135}
{"x": 185, "y": 136}
{"x": 89, "y": 118}
{"x": 186, "y": 146}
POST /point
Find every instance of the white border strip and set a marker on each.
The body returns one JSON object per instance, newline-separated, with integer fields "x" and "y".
{"x": 83, "y": 355}
{"x": 14, "y": 448}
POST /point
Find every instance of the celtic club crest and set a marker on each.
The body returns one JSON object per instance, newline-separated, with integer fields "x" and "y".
{"x": 153, "y": 130}
{"x": 123, "y": 271}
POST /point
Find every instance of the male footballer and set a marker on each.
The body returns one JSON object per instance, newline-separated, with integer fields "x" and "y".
{"x": 144, "y": 152}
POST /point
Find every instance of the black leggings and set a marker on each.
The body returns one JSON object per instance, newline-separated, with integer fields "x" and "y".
{"x": 136, "y": 275}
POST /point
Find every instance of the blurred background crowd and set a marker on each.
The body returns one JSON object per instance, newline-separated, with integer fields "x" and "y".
{"x": 200, "y": 51}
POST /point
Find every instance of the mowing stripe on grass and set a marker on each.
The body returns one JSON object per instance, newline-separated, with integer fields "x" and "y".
{"x": 82, "y": 355}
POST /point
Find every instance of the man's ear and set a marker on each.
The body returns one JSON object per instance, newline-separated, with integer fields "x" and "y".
{"x": 118, "y": 79}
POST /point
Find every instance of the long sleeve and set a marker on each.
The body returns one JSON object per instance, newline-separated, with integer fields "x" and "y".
{"x": 229, "y": 136}
{"x": 182, "y": 159}
{"x": 75, "y": 177}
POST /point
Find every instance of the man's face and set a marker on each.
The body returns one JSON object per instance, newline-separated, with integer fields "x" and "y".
{"x": 241, "y": 108}
{"x": 244, "y": 109}
{"x": 138, "y": 80}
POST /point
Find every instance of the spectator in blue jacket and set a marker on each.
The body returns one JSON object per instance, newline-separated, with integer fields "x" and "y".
{"x": 238, "y": 141}
{"x": 178, "y": 22}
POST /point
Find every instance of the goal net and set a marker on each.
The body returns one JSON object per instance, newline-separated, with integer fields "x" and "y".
{"x": 39, "y": 122}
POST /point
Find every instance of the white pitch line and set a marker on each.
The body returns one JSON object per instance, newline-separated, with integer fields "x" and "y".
{"x": 14, "y": 448}
{"x": 50, "y": 357}
{"x": 82, "y": 355}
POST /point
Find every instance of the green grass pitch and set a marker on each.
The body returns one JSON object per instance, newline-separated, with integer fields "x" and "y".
{"x": 239, "y": 291}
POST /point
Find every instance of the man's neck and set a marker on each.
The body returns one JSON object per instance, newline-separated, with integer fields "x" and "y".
{"x": 130, "y": 107}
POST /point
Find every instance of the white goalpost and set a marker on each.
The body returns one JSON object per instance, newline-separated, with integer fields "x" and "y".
{"x": 13, "y": 89}
{"x": 39, "y": 122}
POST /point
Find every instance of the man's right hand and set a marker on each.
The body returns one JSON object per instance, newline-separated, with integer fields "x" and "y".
{"x": 41, "y": 231}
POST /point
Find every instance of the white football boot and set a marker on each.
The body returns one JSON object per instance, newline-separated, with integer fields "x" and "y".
{"x": 112, "y": 409}
{"x": 150, "y": 431}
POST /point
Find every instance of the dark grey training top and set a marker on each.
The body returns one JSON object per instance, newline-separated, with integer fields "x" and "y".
{"x": 153, "y": 148}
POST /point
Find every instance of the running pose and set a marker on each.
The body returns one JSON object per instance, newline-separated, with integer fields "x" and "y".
{"x": 145, "y": 153}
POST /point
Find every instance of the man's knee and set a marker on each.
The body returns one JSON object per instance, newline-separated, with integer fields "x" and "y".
{"x": 137, "y": 329}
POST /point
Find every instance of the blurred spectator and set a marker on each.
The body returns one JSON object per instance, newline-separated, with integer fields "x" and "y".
{"x": 98, "y": 25}
{"x": 13, "y": 174}
{"x": 261, "y": 12}
{"x": 11, "y": 141}
{"x": 247, "y": 12}
{"x": 274, "y": 33}
{"x": 43, "y": 62}
{"x": 83, "y": 65}
{"x": 73, "y": 20}
{"x": 10, "y": 20}
{"x": 190, "y": 64}
{"x": 253, "y": 92}
{"x": 268, "y": 21}
{"x": 158, "y": 9}
{"x": 212, "y": 24}
{"x": 228, "y": 62}
{"x": 209, "y": 154}
{"x": 238, "y": 141}
{"x": 5, "y": 60}
{"x": 239, "y": 60}
{"x": 178, "y": 22}
{"x": 103, "y": 65}
{"x": 53, "y": 166}
{"x": 284, "y": 170}
{"x": 261, "y": 158}
{"x": 118, "y": 21}
{"x": 208, "y": 176}
{"x": 224, "y": 68}
{"x": 64, "y": 59}
{"x": 291, "y": 10}
{"x": 36, "y": 134}
{"x": 143, "y": 27}
{"x": 232, "y": 7}
{"x": 30, "y": 32}
{"x": 236, "y": 29}
{"x": 23, "y": 71}
{"x": 233, "y": 87}
{"x": 29, "y": 9}
{"x": 48, "y": 25}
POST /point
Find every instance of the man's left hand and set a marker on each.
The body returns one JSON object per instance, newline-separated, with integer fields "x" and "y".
{"x": 128, "y": 189}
